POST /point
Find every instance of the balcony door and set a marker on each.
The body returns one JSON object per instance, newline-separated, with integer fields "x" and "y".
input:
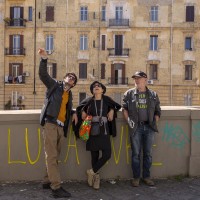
{"x": 118, "y": 13}
{"x": 118, "y": 44}
{"x": 17, "y": 15}
{"x": 118, "y": 74}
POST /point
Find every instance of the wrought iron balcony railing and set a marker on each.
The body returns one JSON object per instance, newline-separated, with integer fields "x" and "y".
{"x": 118, "y": 22}
{"x": 118, "y": 81}
{"x": 118, "y": 52}
{"x": 15, "y": 22}
{"x": 14, "y": 51}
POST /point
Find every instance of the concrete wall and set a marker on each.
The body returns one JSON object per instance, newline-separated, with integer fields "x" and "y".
{"x": 175, "y": 151}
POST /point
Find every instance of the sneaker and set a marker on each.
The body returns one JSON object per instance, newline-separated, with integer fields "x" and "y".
{"x": 148, "y": 182}
{"x": 90, "y": 174}
{"x": 46, "y": 186}
{"x": 60, "y": 193}
{"x": 135, "y": 182}
{"x": 96, "y": 183}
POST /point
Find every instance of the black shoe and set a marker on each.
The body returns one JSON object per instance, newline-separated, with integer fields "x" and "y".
{"x": 60, "y": 193}
{"x": 46, "y": 186}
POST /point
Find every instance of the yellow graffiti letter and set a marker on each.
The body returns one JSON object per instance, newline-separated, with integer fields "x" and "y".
{"x": 9, "y": 152}
{"x": 120, "y": 146}
{"x": 27, "y": 148}
{"x": 70, "y": 145}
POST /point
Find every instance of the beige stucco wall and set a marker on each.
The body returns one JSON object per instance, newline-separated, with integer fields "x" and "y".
{"x": 67, "y": 27}
{"x": 175, "y": 151}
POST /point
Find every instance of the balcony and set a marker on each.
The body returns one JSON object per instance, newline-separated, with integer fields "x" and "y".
{"x": 15, "y": 51}
{"x": 15, "y": 80}
{"x": 118, "y": 80}
{"x": 15, "y": 22}
{"x": 118, "y": 22}
{"x": 118, "y": 52}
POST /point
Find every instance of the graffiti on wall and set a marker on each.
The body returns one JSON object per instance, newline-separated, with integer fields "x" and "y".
{"x": 71, "y": 146}
{"x": 175, "y": 135}
{"x": 196, "y": 131}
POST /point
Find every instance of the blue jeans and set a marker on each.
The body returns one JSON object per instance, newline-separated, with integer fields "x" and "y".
{"x": 142, "y": 140}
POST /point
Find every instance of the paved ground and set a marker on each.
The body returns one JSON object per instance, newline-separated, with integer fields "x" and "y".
{"x": 168, "y": 189}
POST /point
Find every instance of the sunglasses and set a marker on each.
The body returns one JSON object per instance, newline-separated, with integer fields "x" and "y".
{"x": 72, "y": 77}
{"x": 98, "y": 85}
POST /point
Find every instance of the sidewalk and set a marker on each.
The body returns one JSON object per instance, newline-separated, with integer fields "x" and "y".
{"x": 168, "y": 189}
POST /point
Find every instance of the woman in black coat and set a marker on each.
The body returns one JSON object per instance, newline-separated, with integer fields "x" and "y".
{"x": 103, "y": 110}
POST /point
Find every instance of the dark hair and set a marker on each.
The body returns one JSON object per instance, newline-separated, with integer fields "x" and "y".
{"x": 68, "y": 74}
{"x": 102, "y": 85}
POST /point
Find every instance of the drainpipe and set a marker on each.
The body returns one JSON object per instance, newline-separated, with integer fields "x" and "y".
{"x": 34, "y": 79}
{"x": 67, "y": 36}
{"x": 171, "y": 52}
{"x": 98, "y": 34}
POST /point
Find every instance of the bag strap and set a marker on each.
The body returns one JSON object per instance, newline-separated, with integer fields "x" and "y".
{"x": 101, "y": 108}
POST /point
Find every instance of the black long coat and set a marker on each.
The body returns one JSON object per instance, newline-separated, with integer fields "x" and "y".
{"x": 111, "y": 104}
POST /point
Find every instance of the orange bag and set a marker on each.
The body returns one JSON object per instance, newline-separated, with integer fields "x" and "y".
{"x": 84, "y": 131}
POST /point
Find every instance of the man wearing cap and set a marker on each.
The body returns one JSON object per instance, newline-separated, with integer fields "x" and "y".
{"x": 56, "y": 115}
{"x": 141, "y": 109}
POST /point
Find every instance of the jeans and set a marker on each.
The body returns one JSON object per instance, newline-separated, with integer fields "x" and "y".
{"x": 142, "y": 140}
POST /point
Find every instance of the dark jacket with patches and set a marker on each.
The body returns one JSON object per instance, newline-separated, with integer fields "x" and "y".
{"x": 53, "y": 109}
{"x": 130, "y": 102}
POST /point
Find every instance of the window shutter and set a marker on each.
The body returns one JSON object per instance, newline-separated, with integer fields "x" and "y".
{"x": 123, "y": 73}
{"x": 10, "y": 69}
{"x": 103, "y": 45}
{"x": 112, "y": 74}
{"x": 103, "y": 71}
{"x": 21, "y": 16}
{"x": 189, "y": 13}
{"x": 83, "y": 70}
{"x": 50, "y": 13}
{"x": 11, "y": 12}
{"x": 20, "y": 69}
{"x": 54, "y": 70}
{"x": 21, "y": 45}
{"x": 10, "y": 44}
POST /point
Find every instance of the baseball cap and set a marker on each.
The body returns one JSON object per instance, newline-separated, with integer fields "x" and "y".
{"x": 139, "y": 74}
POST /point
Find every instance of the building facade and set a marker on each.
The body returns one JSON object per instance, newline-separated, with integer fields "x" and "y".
{"x": 105, "y": 40}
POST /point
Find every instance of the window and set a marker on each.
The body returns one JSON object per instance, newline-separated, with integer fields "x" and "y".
{"x": 49, "y": 44}
{"x": 189, "y": 13}
{"x": 119, "y": 12}
{"x": 103, "y": 42}
{"x": 83, "y": 70}
{"x": 83, "y": 42}
{"x": 188, "y": 72}
{"x": 30, "y": 14}
{"x": 154, "y": 14}
{"x": 16, "y": 44}
{"x": 50, "y": 13}
{"x": 103, "y": 13}
{"x": 15, "y": 73}
{"x": 188, "y": 100}
{"x": 103, "y": 70}
{"x": 14, "y": 98}
{"x": 17, "y": 13}
{"x": 52, "y": 69}
{"x": 153, "y": 71}
{"x": 84, "y": 13}
{"x": 188, "y": 43}
{"x": 153, "y": 42}
{"x": 82, "y": 96}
